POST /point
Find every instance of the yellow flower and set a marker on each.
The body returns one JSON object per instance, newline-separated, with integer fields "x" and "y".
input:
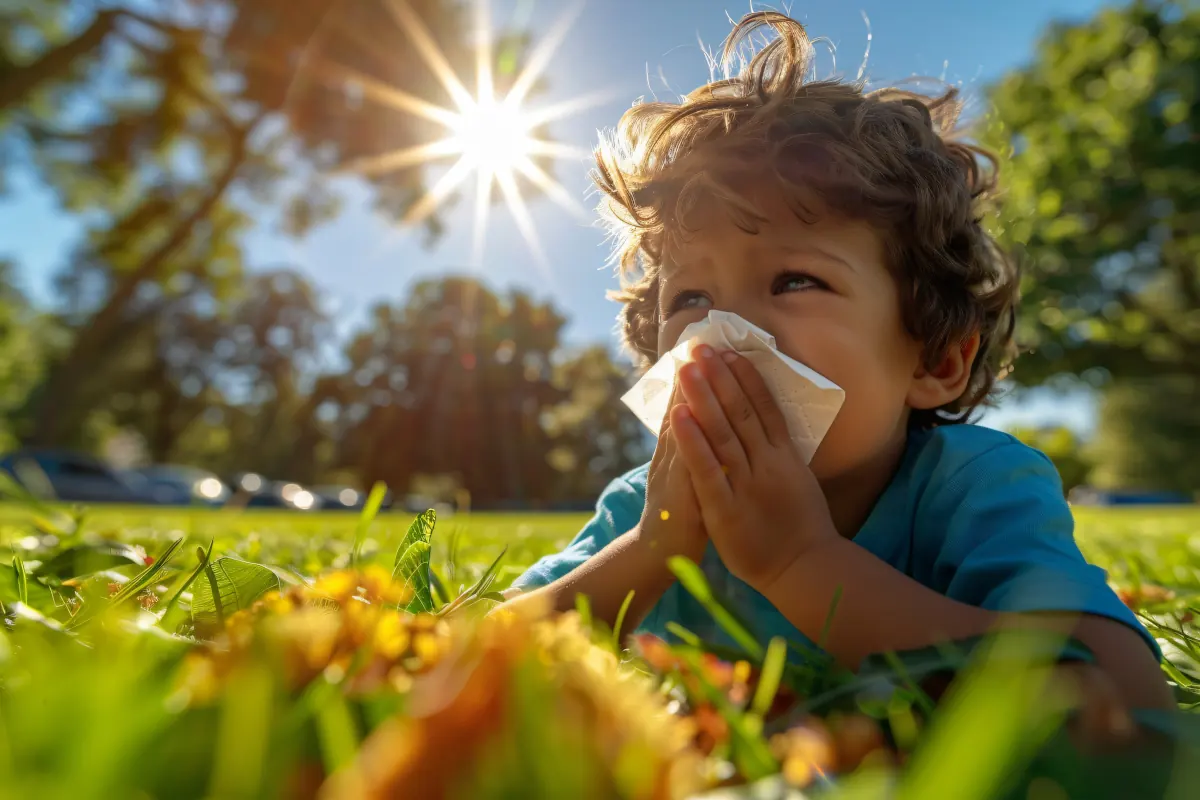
{"x": 380, "y": 588}
{"x": 427, "y": 647}
{"x": 391, "y": 636}
{"x": 807, "y": 752}
{"x": 339, "y": 585}
{"x": 278, "y": 603}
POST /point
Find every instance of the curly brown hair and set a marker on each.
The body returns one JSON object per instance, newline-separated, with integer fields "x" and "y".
{"x": 890, "y": 157}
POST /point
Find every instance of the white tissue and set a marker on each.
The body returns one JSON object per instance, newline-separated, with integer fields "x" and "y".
{"x": 809, "y": 400}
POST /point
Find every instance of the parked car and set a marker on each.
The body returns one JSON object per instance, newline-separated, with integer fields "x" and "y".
{"x": 171, "y": 484}
{"x": 254, "y": 491}
{"x": 347, "y": 498}
{"x": 70, "y": 476}
{"x": 1089, "y": 496}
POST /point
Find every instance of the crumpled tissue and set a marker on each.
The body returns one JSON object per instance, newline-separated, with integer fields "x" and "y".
{"x": 809, "y": 400}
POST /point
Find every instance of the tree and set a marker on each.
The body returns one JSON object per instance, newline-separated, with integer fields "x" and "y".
{"x": 160, "y": 123}
{"x": 1103, "y": 204}
{"x": 1103, "y": 193}
{"x": 225, "y": 388}
{"x": 27, "y": 341}
{"x": 455, "y": 381}
{"x": 594, "y": 437}
{"x": 1148, "y": 435}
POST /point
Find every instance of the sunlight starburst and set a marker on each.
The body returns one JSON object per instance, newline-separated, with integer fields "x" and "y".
{"x": 491, "y": 137}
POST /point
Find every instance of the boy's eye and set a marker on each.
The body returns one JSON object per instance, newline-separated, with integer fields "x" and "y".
{"x": 796, "y": 282}
{"x": 688, "y": 299}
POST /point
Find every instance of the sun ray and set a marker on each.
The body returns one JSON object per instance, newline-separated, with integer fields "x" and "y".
{"x": 541, "y": 147}
{"x": 483, "y": 196}
{"x": 567, "y": 107}
{"x": 408, "y": 157}
{"x": 492, "y": 136}
{"x": 445, "y": 185}
{"x": 336, "y": 76}
{"x": 553, "y": 189}
{"x": 516, "y": 207}
{"x": 416, "y": 31}
{"x": 539, "y": 59}
{"x": 484, "y": 86}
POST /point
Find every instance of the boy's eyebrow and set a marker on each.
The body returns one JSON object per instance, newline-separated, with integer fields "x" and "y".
{"x": 809, "y": 250}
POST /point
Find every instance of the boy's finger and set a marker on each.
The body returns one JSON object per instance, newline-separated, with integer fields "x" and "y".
{"x": 708, "y": 476}
{"x": 756, "y": 389}
{"x": 710, "y": 415}
{"x": 741, "y": 412}
{"x": 676, "y": 399}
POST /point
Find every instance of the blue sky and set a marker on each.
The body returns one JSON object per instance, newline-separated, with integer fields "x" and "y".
{"x": 631, "y": 48}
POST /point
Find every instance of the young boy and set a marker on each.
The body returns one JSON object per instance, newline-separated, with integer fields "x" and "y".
{"x": 848, "y": 226}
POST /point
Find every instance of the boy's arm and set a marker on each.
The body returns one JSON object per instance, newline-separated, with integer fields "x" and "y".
{"x": 991, "y": 530}
{"x": 882, "y": 609}
{"x": 627, "y": 563}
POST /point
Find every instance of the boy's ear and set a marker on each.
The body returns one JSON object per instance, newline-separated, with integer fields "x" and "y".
{"x": 933, "y": 388}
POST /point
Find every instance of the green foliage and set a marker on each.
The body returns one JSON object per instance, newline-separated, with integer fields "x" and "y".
{"x": 84, "y": 559}
{"x": 370, "y": 509}
{"x": 1102, "y": 189}
{"x": 231, "y": 585}
{"x": 412, "y": 561}
{"x": 27, "y": 342}
{"x": 691, "y": 577}
{"x": 170, "y": 135}
{"x": 472, "y": 382}
{"x": 1148, "y": 435}
{"x": 132, "y": 733}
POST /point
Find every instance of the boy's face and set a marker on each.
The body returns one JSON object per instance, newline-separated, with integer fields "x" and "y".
{"x": 823, "y": 290}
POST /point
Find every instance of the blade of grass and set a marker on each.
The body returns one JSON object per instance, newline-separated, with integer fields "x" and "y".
{"x": 135, "y": 585}
{"x": 480, "y": 587}
{"x": 922, "y": 700}
{"x": 244, "y": 734}
{"x": 769, "y": 677}
{"x": 438, "y": 588}
{"x": 685, "y": 636}
{"x": 21, "y": 579}
{"x": 833, "y": 604}
{"x": 584, "y": 606}
{"x": 218, "y": 606}
{"x": 616, "y": 640}
{"x": 750, "y": 751}
{"x": 369, "y": 512}
{"x": 692, "y": 579}
{"x": 204, "y": 556}
{"x": 1006, "y": 686}
{"x": 336, "y": 731}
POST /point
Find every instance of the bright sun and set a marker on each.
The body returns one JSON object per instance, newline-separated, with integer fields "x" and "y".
{"x": 491, "y": 138}
{"x": 492, "y": 135}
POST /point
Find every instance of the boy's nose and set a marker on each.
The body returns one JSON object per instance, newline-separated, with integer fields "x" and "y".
{"x": 748, "y": 312}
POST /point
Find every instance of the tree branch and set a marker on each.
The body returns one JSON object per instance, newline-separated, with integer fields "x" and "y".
{"x": 18, "y": 83}
{"x": 93, "y": 337}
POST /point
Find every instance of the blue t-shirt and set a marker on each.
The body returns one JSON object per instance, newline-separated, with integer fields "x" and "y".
{"x": 972, "y": 513}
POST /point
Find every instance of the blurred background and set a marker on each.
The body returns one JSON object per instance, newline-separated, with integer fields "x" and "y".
{"x": 269, "y": 252}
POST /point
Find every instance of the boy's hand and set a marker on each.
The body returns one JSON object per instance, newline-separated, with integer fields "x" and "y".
{"x": 761, "y": 504}
{"x": 671, "y": 522}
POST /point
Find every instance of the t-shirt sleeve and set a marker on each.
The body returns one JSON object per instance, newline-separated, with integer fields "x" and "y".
{"x": 1004, "y": 539}
{"x": 617, "y": 512}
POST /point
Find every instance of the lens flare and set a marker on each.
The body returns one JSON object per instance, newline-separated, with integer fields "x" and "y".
{"x": 492, "y": 138}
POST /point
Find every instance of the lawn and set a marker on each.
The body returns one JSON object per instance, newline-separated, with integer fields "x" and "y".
{"x": 118, "y": 680}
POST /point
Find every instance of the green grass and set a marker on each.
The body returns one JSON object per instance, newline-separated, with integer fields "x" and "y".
{"x": 464, "y": 546}
{"x": 97, "y": 712}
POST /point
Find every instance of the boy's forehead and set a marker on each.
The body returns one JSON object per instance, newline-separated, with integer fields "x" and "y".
{"x": 827, "y": 239}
